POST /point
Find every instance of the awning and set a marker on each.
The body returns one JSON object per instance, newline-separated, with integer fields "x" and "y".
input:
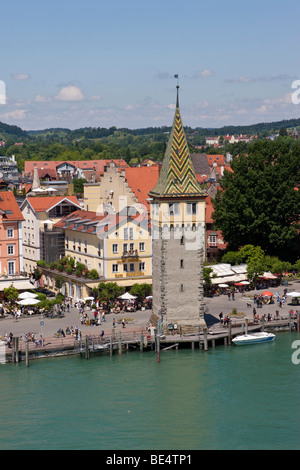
{"x": 20, "y": 284}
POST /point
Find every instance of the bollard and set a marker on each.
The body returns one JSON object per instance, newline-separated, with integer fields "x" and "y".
{"x": 120, "y": 344}
{"x": 205, "y": 339}
{"x": 27, "y": 354}
{"x": 157, "y": 342}
{"x": 229, "y": 333}
{"x": 87, "y": 355}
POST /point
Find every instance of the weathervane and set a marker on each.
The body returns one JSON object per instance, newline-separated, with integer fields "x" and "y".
{"x": 176, "y": 76}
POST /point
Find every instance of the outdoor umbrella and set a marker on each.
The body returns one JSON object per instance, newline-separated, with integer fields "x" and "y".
{"x": 223, "y": 285}
{"x": 127, "y": 296}
{"x": 294, "y": 294}
{"x": 29, "y": 301}
{"x": 89, "y": 298}
{"x": 267, "y": 294}
{"x": 27, "y": 295}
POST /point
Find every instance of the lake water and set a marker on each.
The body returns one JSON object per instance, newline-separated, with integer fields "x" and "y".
{"x": 227, "y": 398}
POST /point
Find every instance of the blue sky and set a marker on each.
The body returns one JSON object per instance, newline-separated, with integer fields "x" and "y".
{"x": 93, "y": 63}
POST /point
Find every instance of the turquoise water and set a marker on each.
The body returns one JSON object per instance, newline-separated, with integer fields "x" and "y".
{"x": 227, "y": 398}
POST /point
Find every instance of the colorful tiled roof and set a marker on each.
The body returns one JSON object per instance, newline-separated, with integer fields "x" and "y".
{"x": 177, "y": 177}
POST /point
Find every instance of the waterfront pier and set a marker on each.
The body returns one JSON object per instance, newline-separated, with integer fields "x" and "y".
{"x": 139, "y": 340}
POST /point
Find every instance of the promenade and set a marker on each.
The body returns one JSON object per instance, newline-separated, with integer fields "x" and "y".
{"x": 243, "y": 303}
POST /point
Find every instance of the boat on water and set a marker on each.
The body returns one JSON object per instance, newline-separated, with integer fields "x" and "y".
{"x": 253, "y": 338}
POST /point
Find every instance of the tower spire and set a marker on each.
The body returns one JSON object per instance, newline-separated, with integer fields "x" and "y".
{"x": 177, "y": 177}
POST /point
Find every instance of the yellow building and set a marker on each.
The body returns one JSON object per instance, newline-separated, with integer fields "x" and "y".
{"x": 118, "y": 247}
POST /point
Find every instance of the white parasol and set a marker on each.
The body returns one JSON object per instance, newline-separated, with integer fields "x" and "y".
{"x": 294, "y": 294}
{"x": 29, "y": 301}
{"x": 28, "y": 295}
{"x": 127, "y": 296}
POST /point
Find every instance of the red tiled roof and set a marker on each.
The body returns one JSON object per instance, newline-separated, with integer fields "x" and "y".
{"x": 86, "y": 219}
{"x": 209, "y": 211}
{"x": 141, "y": 180}
{"x": 219, "y": 159}
{"x": 9, "y": 204}
{"x": 41, "y": 204}
{"x": 97, "y": 165}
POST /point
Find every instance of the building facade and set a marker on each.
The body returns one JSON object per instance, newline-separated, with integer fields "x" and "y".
{"x": 40, "y": 213}
{"x": 178, "y": 243}
{"x": 11, "y": 248}
{"x": 117, "y": 247}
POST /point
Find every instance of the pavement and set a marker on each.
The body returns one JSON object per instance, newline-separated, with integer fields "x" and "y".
{"x": 139, "y": 319}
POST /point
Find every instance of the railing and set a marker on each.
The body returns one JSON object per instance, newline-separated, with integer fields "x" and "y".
{"x": 130, "y": 254}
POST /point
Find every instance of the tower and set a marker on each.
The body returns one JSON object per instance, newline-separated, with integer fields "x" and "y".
{"x": 178, "y": 225}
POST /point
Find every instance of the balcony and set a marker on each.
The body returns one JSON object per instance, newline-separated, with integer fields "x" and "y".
{"x": 130, "y": 254}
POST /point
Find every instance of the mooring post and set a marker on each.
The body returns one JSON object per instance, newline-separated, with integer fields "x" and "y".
{"x": 17, "y": 349}
{"x": 246, "y": 326}
{"x": 13, "y": 353}
{"x": 290, "y": 321}
{"x": 87, "y": 347}
{"x": 142, "y": 343}
{"x": 157, "y": 348}
{"x": 120, "y": 344}
{"x": 205, "y": 339}
{"x": 27, "y": 354}
{"x": 298, "y": 322}
{"x": 111, "y": 346}
{"x": 229, "y": 333}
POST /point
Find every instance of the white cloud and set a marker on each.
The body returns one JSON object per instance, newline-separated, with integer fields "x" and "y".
{"x": 20, "y": 76}
{"x": 42, "y": 99}
{"x": 17, "y": 114}
{"x": 70, "y": 93}
{"x": 206, "y": 73}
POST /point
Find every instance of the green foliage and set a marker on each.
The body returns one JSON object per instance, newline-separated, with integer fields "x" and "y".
{"x": 37, "y": 274}
{"x": 108, "y": 291}
{"x": 141, "y": 290}
{"x": 11, "y": 293}
{"x": 41, "y": 263}
{"x": 258, "y": 203}
{"x": 59, "y": 281}
{"x": 93, "y": 274}
{"x": 78, "y": 185}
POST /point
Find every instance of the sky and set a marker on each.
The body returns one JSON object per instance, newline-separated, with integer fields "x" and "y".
{"x": 95, "y": 63}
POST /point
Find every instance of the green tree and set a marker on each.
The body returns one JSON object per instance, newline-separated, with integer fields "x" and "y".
{"x": 108, "y": 291}
{"x": 11, "y": 293}
{"x": 257, "y": 203}
{"x": 141, "y": 291}
{"x": 59, "y": 281}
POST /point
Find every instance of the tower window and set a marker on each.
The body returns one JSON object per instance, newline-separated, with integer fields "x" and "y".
{"x": 181, "y": 288}
{"x": 181, "y": 263}
{"x": 191, "y": 208}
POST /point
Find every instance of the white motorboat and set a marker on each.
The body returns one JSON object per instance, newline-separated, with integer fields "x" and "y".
{"x": 253, "y": 338}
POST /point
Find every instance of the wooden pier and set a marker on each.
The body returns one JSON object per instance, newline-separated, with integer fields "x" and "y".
{"x": 139, "y": 341}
